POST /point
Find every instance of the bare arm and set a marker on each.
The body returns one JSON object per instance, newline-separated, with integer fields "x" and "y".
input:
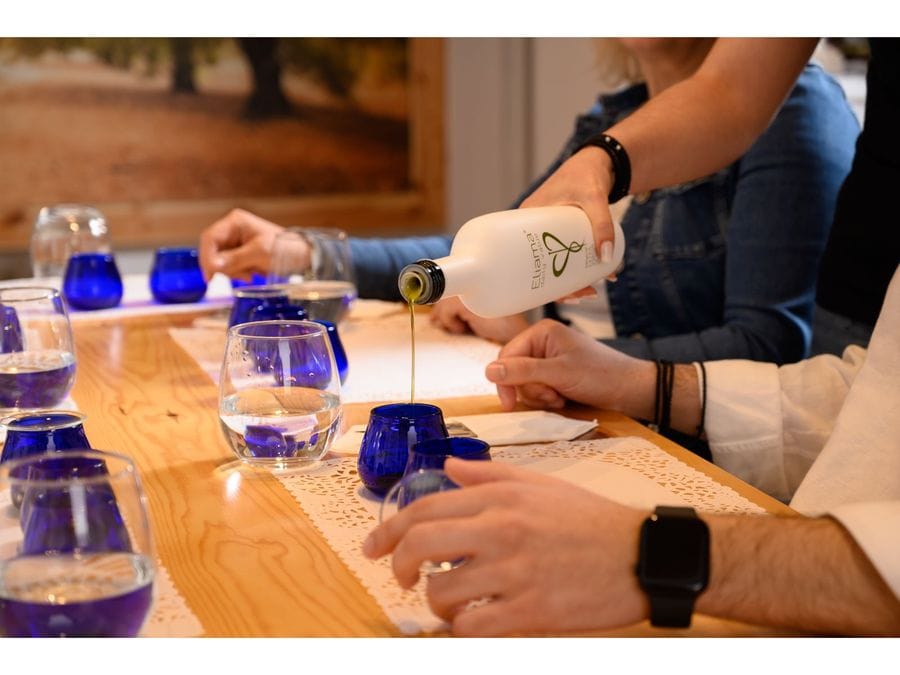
{"x": 547, "y": 572}
{"x": 795, "y": 572}
{"x": 689, "y": 130}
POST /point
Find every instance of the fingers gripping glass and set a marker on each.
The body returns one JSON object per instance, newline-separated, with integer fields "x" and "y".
{"x": 408, "y": 489}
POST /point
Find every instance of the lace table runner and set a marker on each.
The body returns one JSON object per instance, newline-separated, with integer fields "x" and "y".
{"x": 630, "y": 470}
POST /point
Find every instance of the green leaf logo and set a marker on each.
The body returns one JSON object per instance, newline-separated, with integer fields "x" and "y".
{"x": 556, "y": 249}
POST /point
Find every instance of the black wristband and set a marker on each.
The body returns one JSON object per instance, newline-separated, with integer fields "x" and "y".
{"x": 620, "y": 163}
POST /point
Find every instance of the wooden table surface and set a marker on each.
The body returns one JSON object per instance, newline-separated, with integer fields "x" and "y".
{"x": 240, "y": 550}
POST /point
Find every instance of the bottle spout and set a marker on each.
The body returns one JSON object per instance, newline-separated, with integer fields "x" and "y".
{"x": 421, "y": 282}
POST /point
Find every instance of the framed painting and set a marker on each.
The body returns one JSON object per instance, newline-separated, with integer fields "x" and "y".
{"x": 166, "y": 135}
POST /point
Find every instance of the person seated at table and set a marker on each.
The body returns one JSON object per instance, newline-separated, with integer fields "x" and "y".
{"x": 723, "y": 267}
{"x": 552, "y": 557}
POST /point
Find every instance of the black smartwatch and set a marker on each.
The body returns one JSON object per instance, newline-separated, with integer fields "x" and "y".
{"x": 673, "y": 564}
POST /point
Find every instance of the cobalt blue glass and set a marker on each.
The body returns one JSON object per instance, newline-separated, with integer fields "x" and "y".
{"x": 92, "y": 281}
{"x": 176, "y": 276}
{"x": 392, "y": 430}
{"x": 310, "y": 364}
{"x": 40, "y": 431}
{"x": 263, "y": 303}
{"x": 47, "y": 518}
{"x": 10, "y": 330}
{"x": 432, "y": 454}
{"x": 255, "y": 280}
{"x": 78, "y": 559}
{"x": 340, "y": 356}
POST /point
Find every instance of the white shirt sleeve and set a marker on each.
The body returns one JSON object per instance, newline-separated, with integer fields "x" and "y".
{"x": 767, "y": 424}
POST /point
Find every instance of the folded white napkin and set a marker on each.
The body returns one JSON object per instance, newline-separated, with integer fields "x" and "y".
{"x": 497, "y": 429}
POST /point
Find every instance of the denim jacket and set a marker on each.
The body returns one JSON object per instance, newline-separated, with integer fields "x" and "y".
{"x": 721, "y": 267}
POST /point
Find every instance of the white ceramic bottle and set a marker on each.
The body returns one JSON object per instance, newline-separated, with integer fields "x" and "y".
{"x": 512, "y": 261}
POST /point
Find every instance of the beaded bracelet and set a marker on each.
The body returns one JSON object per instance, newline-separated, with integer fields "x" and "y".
{"x": 621, "y": 164}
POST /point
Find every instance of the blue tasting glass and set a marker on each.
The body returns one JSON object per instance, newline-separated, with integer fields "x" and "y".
{"x": 432, "y": 454}
{"x": 392, "y": 430}
{"x": 92, "y": 281}
{"x": 176, "y": 276}
{"x": 340, "y": 356}
{"x": 41, "y": 431}
{"x": 10, "y": 330}
{"x": 50, "y": 513}
{"x": 263, "y": 303}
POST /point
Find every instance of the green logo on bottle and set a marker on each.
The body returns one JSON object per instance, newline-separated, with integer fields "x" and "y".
{"x": 560, "y": 248}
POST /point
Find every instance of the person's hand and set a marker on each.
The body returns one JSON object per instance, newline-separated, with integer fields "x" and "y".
{"x": 453, "y": 316}
{"x": 543, "y": 570}
{"x": 583, "y": 180}
{"x": 238, "y": 245}
{"x": 549, "y": 363}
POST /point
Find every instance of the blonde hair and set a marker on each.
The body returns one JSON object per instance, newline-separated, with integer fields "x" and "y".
{"x": 615, "y": 65}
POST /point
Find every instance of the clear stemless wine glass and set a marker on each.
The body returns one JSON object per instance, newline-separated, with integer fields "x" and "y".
{"x": 64, "y": 229}
{"x": 76, "y": 558}
{"x": 37, "y": 353}
{"x": 279, "y": 393}
{"x": 415, "y": 485}
{"x": 316, "y": 266}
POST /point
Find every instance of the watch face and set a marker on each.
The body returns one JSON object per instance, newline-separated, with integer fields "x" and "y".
{"x": 674, "y": 554}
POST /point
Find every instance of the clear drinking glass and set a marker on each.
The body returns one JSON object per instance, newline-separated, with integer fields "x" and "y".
{"x": 37, "y": 353}
{"x": 64, "y": 229}
{"x": 415, "y": 485}
{"x": 279, "y": 393}
{"x": 76, "y": 557}
{"x": 316, "y": 266}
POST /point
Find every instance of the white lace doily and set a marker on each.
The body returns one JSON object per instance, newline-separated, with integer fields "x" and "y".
{"x": 170, "y": 615}
{"x": 344, "y": 511}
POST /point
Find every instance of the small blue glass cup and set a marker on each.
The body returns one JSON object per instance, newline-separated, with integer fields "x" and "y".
{"x": 263, "y": 303}
{"x": 51, "y": 507}
{"x": 92, "y": 281}
{"x": 392, "y": 430}
{"x": 10, "y": 330}
{"x": 40, "y": 431}
{"x": 80, "y": 561}
{"x": 340, "y": 355}
{"x": 432, "y": 454}
{"x": 176, "y": 276}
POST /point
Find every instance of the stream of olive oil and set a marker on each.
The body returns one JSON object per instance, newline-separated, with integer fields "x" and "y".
{"x": 412, "y": 342}
{"x": 411, "y": 291}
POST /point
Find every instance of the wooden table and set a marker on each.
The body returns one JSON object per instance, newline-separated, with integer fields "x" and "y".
{"x": 242, "y": 552}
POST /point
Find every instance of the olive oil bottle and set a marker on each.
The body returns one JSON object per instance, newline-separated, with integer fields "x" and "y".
{"x": 512, "y": 261}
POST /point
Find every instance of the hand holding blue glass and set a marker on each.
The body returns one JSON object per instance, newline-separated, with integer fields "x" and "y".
{"x": 92, "y": 281}
{"x": 392, "y": 430}
{"x": 176, "y": 276}
{"x": 78, "y": 558}
{"x": 431, "y": 454}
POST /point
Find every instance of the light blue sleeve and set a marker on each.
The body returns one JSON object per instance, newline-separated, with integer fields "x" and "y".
{"x": 378, "y": 261}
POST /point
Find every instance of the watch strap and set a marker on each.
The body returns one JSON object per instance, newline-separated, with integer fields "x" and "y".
{"x": 671, "y": 611}
{"x": 675, "y": 512}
